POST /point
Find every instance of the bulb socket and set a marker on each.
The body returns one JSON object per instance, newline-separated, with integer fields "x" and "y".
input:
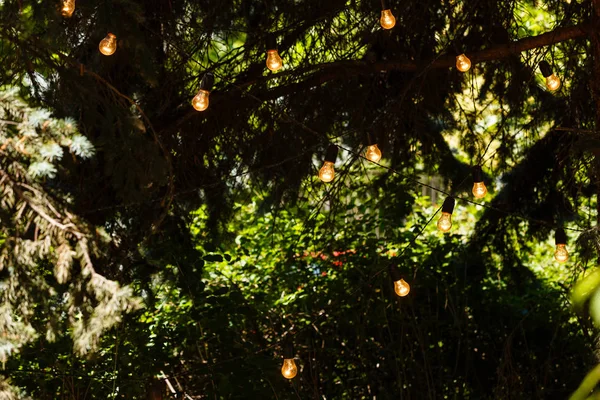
{"x": 560, "y": 237}
{"x": 207, "y": 82}
{"x": 448, "y": 206}
{"x": 331, "y": 154}
{"x": 385, "y": 5}
{"x": 371, "y": 139}
{"x": 545, "y": 68}
{"x": 271, "y": 42}
{"x": 288, "y": 349}
{"x": 477, "y": 174}
{"x": 395, "y": 273}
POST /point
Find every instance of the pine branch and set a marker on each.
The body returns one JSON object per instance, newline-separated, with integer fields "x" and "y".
{"x": 327, "y": 72}
{"x": 493, "y": 53}
{"x": 344, "y": 69}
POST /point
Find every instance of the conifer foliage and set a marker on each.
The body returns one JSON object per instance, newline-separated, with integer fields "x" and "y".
{"x": 48, "y": 253}
{"x": 104, "y": 161}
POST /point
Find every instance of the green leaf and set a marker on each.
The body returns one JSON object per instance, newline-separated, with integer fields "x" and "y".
{"x": 585, "y": 288}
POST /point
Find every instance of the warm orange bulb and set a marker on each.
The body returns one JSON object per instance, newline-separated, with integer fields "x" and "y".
{"x": 108, "y": 45}
{"x": 387, "y": 20}
{"x": 289, "y": 369}
{"x": 479, "y": 190}
{"x": 463, "y": 64}
{"x": 373, "y": 153}
{"x": 327, "y": 172}
{"x": 401, "y": 287}
{"x": 68, "y": 8}
{"x": 274, "y": 62}
{"x": 445, "y": 222}
{"x": 552, "y": 82}
{"x": 200, "y": 101}
{"x": 561, "y": 255}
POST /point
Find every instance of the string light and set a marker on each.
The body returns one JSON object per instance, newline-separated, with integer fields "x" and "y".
{"x": 560, "y": 239}
{"x": 289, "y": 369}
{"x": 552, "y": 81}
{"x": 108, "y": 45}
{"x": 479, "y": 190}
{"x": 327, "y": 171}
{"x": 68, "y": 7}
{"x": 463, "y": 64}
{"x": 274, "y": 62}
{"x": 387, "y": 20}
{"x": 401, "y": 287}
{"x": 372, "y": 153}
{"x": 200, "y": 100}
{"x": 445, "y": 222}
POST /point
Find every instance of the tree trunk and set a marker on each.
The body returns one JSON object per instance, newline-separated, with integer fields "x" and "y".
{"x": 155, "y": 390}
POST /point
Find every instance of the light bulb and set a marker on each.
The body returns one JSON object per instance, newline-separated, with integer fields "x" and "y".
{"x": 373, "y": 153}
{"x": 327, "y": 172}
{"x": 289, "y": 369}
{"x": 388, "y": 21}
{"x": 68, "y": 8}
{"x": 200, "y": 101}
{"x": 108, "y": 45}
{"x": 463, "y": 64}
{"x": 401, "y": 287}
{"x": 561, "y": 254}
{"x": 445, "y": 222}
{"x": 274, "y": 62}
{"x": 479, "y": 190}
{"x": 552, "y": 82}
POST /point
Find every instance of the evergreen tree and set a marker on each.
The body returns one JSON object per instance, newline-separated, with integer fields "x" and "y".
{"x": 119, "y": 208}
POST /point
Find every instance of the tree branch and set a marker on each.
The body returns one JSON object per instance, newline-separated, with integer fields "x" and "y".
{"x": 357, "y": 67}
{"x": 448, "y": 61}
{"x": 344, "y": 69}
{"x": 494, "y": 53}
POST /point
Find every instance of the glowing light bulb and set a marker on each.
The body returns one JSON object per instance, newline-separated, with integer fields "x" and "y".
{"x": 108, "y": 45}
{"x": 479, "y": 190}
{"x": 289, "y": 369}
{"x": 200, "y": 101}
{"x": 561, "y": 254}
{"x": 401, "y": 287}
{"x": 387, "y": 20}
{"x": 327, "y": 172}
{"x": 445, "y": 222}
{"x": 463, "y": 64}
{"x": 274, "y": 62}
{"x": 373, "y": 153}
{"x": 68, "y": 8}
{"x": 552, "y": 82}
